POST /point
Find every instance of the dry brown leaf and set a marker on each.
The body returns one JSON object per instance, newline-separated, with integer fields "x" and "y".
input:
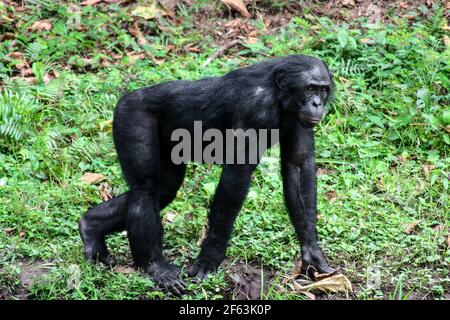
{"x": 193, "y": 49}
{"x": 169, "y": 6}
{"x": 251, "y": 40}
{"x": 10, "y": 231}
{"x": 203, "y": 233}
{"x": 446, "y": 41}
{"x": 15, "y": 55}
{"x": 133, "y": 57}
{"x": 403, "y": 5}
{"x": 90, "y": 2}
{"x": 47, "y": 78}
{"x": 136, "y": 32}
{"x": 105, "y": 126}
{"x": 447, "y": 128}
{"x": 158, "y": 62}
{"x": 41, "y": 25}
{"x": 332, "y": 196}
{"x": 426, "y": 170}
{"x": 105, "y": 191}
{"x": 30, "y": 80}
{"x": 239, "y": 6}
{"x": 124, "y": 269}
{"x": 333, "y": 284}
{"x": 22, "y": 234}
{"x": 308, "y": 294}
{"x": 348, "y": 3}
{"x": 410, "y": 227}
{"x": 26, "y": 72}
{"x": 447, "y": 240}
{"x": 92, "y": 178}
{"x": 169, "y": 217}
{"x": 149, "y": 10}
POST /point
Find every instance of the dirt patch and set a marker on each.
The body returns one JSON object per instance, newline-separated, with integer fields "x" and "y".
{"x": 30, "y": 272}
{"x": 248, "y": 280}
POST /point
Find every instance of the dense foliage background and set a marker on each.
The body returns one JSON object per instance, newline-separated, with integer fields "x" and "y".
{"x": 383, "y": 148}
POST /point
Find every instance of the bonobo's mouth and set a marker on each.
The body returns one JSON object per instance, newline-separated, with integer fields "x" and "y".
{"x": 310, "y": 120}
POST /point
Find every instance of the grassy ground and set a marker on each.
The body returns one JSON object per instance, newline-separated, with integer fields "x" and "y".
{"x": 383, "y": 150}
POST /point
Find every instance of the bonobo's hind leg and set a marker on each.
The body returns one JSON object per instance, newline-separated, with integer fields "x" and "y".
{"x": 103, "y": 219}
{"x": 137, "y": 142}
{"x": 111, "y": 216}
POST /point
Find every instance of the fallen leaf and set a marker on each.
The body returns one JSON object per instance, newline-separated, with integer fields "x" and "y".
{"x": 105, "y": 126}
{"x": 193, "y": 49}
{"x": 22, "y": 234}
{"x": 447, "y": 128}
{"x": 136, "y": 32}
{"x": 133, "y": 57}
{"x": 308, "y": 294}
{"x": 426, "y": 170}
{"x": 26, "y": 72}
{"x": 239, "y": 6}
{"x": 403, "y": 5}
{"x": 41, "y": 25}
{"x": 446, "y": 41}
{"x": 333, "y": 284}
{"x": 203, "y": 233}
{"x": 410, "y": 227}
{"x": 169, "y": 6}
{"x": 15, "y": 54}
{"x": 169, "y": 217}
{"x": 348, "y": 3}
{"x": 124, "y": 269}
{"x": 251, "y": 40}
{"x": 105, "y": 191}
{"x": 47, "y": 78}
{"x": 447, "y": 240}
{"x": 149, "y": 10}
{"x": 92, "y": 178}
{"x": 332, "y": 197}
{"x": 31, "y": 80}
{"x": 90, "y": 2}
{"x": 10, "y": 231}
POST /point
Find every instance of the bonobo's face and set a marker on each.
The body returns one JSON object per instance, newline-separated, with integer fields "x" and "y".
{"x": 311, "y": 94}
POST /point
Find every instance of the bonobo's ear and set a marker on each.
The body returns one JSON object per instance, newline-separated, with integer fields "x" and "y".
{"x": 280, "y": 78}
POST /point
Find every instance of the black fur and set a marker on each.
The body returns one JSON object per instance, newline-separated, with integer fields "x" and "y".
{"x": 286, "y": 94}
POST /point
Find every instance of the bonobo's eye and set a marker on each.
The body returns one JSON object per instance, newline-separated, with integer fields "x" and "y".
{"x": 324, "y": 90}
{"x": 309, "y": 90}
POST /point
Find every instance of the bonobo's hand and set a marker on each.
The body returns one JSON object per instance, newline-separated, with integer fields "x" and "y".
{"x": 200, "y": 271}
{"x": 313, "y": 260}
{"x": 167, "y": 277}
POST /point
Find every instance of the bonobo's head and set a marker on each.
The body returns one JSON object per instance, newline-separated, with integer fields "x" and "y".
{"x": 305, "y": 87}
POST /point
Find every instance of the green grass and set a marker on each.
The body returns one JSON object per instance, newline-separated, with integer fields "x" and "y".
{"x": 383, "y": 150}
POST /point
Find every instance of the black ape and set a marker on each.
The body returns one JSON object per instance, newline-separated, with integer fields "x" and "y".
{"x": 286, "y": 94}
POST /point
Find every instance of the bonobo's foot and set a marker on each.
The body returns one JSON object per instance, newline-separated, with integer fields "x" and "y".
{"x": 313, "y": 260}
{"x": 200, "y": 270}
{"x": 166, "y": 276}
{"x": 94, "y": 246}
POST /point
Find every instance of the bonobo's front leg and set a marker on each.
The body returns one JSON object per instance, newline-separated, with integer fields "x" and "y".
{"x": 299, "y": 184}
{"x": 228, "y": 199}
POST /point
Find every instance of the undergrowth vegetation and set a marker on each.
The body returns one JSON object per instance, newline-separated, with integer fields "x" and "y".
{"x": 383, "y": 150}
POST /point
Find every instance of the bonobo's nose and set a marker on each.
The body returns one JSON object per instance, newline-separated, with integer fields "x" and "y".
{"x": 316, "y": 102}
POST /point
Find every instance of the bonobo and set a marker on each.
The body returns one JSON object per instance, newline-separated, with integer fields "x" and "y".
{"x": 287, "y": 94}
